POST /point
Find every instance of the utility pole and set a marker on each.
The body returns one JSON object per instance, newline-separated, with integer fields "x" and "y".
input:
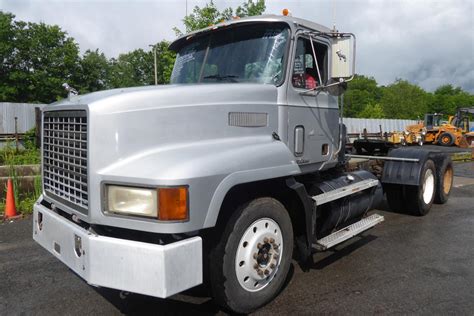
{"x": 156, "y": 69}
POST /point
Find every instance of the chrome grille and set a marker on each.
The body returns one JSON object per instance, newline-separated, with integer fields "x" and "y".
{"x": 65, "y": 157}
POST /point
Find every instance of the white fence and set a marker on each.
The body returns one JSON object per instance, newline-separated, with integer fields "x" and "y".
{"x": 357, "y": 125}
{"x": 24, "y": 112}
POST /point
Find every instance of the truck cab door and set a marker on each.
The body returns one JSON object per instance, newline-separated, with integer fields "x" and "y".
{"x": 313, "y": 118}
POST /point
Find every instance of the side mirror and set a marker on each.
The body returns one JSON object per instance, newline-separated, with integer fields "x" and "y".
{"x": 343, "y": 62}
{"x": 343, "y": 56}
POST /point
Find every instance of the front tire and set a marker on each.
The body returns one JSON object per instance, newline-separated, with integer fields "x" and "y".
{"x": 250, "y": 262}
{"x": 446, "y": 139}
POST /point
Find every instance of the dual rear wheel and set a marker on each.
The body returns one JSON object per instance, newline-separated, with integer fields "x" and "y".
{"x": 434, "y": 187}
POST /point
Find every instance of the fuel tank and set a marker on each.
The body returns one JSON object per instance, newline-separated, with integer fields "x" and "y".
{"x": 337, "y": 214}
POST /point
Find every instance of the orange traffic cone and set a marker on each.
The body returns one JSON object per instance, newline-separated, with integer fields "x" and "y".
{"x": 10, "y": 209}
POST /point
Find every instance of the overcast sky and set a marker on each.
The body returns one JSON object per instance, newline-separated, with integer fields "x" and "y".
{"x": 428, "y": 42}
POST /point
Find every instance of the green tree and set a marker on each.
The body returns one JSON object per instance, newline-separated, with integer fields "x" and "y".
{"x": 403, "y": 100}
{"x": 250, "y": 8}
{"x": 94, "y": 72}
{"x": 132, "y": 69}
{"x": 136, "y": 68}
{"x": 165, "y": 61}
{"x": 209, "y": 14}
{"x": 361, "y": 92}
{"x": 7, "y": 34}
{"x": 39, "y": 59}
{"x": 446, "y": 99}
{"x": 372, "y": 110}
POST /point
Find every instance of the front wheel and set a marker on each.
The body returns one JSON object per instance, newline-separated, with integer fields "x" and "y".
{"x": 250, "y": 263}
{"x": 446, "y": 139}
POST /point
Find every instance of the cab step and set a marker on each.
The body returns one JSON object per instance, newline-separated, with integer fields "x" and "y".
{"x": 344, "y": 191}
{"x": 348, "y": 232}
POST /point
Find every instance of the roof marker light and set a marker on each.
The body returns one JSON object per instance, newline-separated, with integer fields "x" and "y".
{"x": 286, "y": 12}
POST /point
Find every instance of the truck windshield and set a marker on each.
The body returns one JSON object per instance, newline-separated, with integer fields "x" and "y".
{"x": 249, "y": 53}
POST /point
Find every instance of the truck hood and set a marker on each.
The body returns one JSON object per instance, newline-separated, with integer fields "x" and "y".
{"x": 149, "y": 97}
{"x": 126, "y": 125}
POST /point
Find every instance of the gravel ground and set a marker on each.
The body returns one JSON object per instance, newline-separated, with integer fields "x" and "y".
{"x": 406, "y": 265}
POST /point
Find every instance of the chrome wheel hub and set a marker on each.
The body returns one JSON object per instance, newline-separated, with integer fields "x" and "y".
{"x": 259, "y": 254}
{"x": 428, "y": 186}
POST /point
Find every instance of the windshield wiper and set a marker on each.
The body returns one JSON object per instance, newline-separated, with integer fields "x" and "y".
{"x": 218, "y": 77}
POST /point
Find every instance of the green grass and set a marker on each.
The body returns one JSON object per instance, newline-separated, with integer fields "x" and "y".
{"x": 24, "y": 205}
{"x": 10, "y": 156}
{"x": 22, "y": 157}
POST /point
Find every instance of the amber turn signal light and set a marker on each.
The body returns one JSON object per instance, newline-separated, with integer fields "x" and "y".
{"x": 173, "y": 204}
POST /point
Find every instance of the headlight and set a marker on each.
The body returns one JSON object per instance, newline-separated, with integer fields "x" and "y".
{"x": 132, "y": 201}
{"x": 165, "y": 204}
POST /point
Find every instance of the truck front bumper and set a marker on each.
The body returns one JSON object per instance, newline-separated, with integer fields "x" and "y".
{"x": 139, "y": 267}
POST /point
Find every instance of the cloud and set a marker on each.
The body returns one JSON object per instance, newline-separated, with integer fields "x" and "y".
{"x": 429, "y": 43}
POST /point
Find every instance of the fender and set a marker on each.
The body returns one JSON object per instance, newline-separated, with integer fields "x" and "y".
{"x": 404, "y": 172}
{"x": 279, "y": 163}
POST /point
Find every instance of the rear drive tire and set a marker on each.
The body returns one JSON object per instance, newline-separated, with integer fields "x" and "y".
{"x": 444, "y": 181}
{"x": 446, "y": 139}
{"x": 250, "y": 262}
{"x": 420, "y": 198}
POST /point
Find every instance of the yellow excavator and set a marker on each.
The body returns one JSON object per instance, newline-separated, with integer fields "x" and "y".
{"x": 433, "y": 130}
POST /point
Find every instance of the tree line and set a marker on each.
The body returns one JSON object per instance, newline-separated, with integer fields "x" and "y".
{"x": 401, "y": 99}
{"x": 38, "y": 58}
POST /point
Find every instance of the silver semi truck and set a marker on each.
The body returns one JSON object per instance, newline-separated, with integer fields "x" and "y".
{"x": 224, "y": 176}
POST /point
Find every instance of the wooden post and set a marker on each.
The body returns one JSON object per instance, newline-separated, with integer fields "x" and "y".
{"x": 16, "y": 134}
{"x": 38, "y": 127}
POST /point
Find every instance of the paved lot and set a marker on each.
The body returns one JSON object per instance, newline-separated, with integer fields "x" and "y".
{"x": 406, "y": 265}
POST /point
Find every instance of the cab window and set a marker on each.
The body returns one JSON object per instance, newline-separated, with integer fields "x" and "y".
{"x": 249, "y": 53}
{"x": 305, "y": 73}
